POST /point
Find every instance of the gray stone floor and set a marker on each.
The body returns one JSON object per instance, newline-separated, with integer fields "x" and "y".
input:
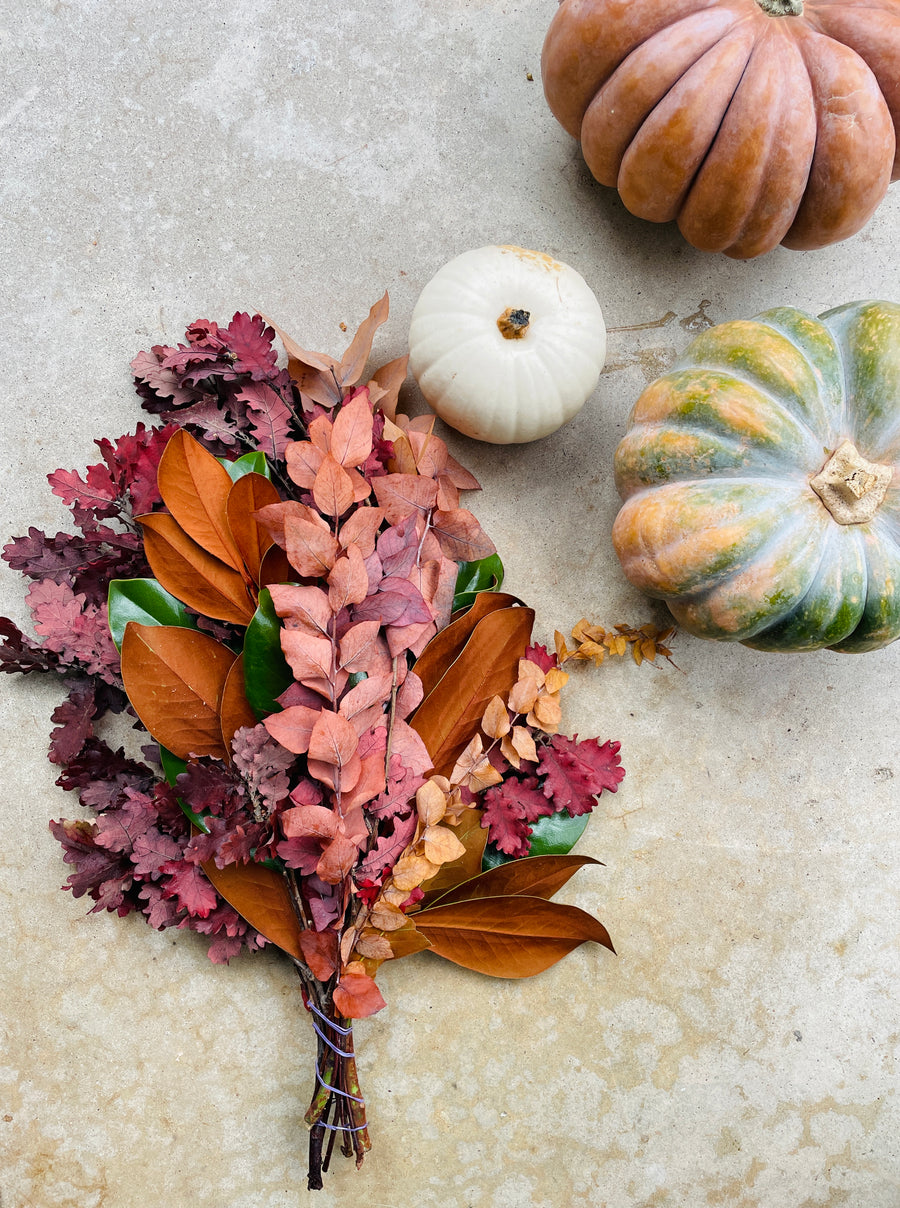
{"x": 164, "y": 162}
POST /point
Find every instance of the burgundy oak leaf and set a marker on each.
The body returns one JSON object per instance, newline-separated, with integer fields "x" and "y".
{"x": 576, "y": 772}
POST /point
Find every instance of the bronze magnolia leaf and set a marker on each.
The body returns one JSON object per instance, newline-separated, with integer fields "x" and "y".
{"x": 447, "y": 644}
{"x": 275, "y": 567}
{"x": 488, "y": 666}
{"x": 234, "y": 708}
{"x": 407, "y": 942}
{"x": 511, "y": 936}
{"x": 260, "y": 896}
{"x": 195, "y": 487}
{"x": 250, "y": 493}
{"x": 193, "y": 575}
{"x": 534, "y": 876}
{"x": 174, "y": 678}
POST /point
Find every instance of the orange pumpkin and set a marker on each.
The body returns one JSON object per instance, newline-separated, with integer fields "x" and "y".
{"x": 750, "y": 122}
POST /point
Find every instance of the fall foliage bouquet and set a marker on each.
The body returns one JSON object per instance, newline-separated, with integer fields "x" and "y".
{"x": 355, "y": 752}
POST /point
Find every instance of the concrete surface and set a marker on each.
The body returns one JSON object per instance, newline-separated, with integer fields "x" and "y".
{"x": 164, "y": 162}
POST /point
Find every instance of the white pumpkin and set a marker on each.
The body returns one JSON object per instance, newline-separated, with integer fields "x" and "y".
{"x": 506, "y": 344}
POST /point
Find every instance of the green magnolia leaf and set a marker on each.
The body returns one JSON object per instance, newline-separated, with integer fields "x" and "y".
{"x": 147, "y": 602}
{"x": 484, "y": 575}
{"x": 554, "y": 835}
{"x": 266, "y": 673}
{"x": 250, "y": 463}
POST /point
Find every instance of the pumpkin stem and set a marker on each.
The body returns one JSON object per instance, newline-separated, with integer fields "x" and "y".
{"x": 513, "y": 323}
{"x": 782, "y": 8}
{"x": 851, "y": 487}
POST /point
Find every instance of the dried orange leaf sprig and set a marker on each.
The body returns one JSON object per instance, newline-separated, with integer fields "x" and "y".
{"x": 594, "y": 643}
{"x": 268, "y": 581}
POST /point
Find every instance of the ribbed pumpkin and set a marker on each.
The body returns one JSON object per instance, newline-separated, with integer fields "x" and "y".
{"x": 761, "y": 479}
{"x": 750, "y": 122}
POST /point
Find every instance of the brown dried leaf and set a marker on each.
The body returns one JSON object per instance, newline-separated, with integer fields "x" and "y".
{"x": 386, "y": 917}
{"x": 374, "y": 946}
{"x": 440, "y": 845}
{"x": 431, "y": 800}
{"x": 407, "y": 942}
{"x": 473, "y": 770}
{"x": 473, "y": 837}
{"x": 354, "y": 359}
{"x": 390, "y": 378}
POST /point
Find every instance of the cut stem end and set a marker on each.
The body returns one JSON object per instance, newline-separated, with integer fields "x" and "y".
{"x": 782, "y": 8}
{"x": 850, "y": 486}
{"x": 513, "y": 323}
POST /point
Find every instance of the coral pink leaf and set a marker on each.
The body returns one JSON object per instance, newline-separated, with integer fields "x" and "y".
{"x": 333, "y": 739}
{"x": 303, "y": 459}
{"x": 292, "y": 727}
{"x": 302, "y": 607}
{"x": 348, "y": 582}
{"x": 310, "y": 821}
{"x": 402, "y": 494}
{"x": 311, "y": 549}
{"x": 461, "y": 536}
{"x": 360, "y": 529}
{"x": 309, "y": 657}
{"x": 320, "y": 951}
{"x": 333, "y": 487}
{"x": 363, "y": 649}
{"x": 356, "y": 996}
{"x": 351, "y": 437}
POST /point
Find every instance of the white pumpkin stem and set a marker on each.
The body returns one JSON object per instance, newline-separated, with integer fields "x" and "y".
{"x": 851, "y": 487}
{"x": 782, "y": 8}
{"x": 513, "y": 323}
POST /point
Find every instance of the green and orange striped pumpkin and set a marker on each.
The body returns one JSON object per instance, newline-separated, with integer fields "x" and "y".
{"x": 761, "y": 482}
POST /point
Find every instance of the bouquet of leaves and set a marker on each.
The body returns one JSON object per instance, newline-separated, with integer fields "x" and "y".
{"x": 355, "y": 752}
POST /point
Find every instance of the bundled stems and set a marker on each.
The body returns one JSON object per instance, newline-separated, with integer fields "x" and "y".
{"x": 337, "y": 1105}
